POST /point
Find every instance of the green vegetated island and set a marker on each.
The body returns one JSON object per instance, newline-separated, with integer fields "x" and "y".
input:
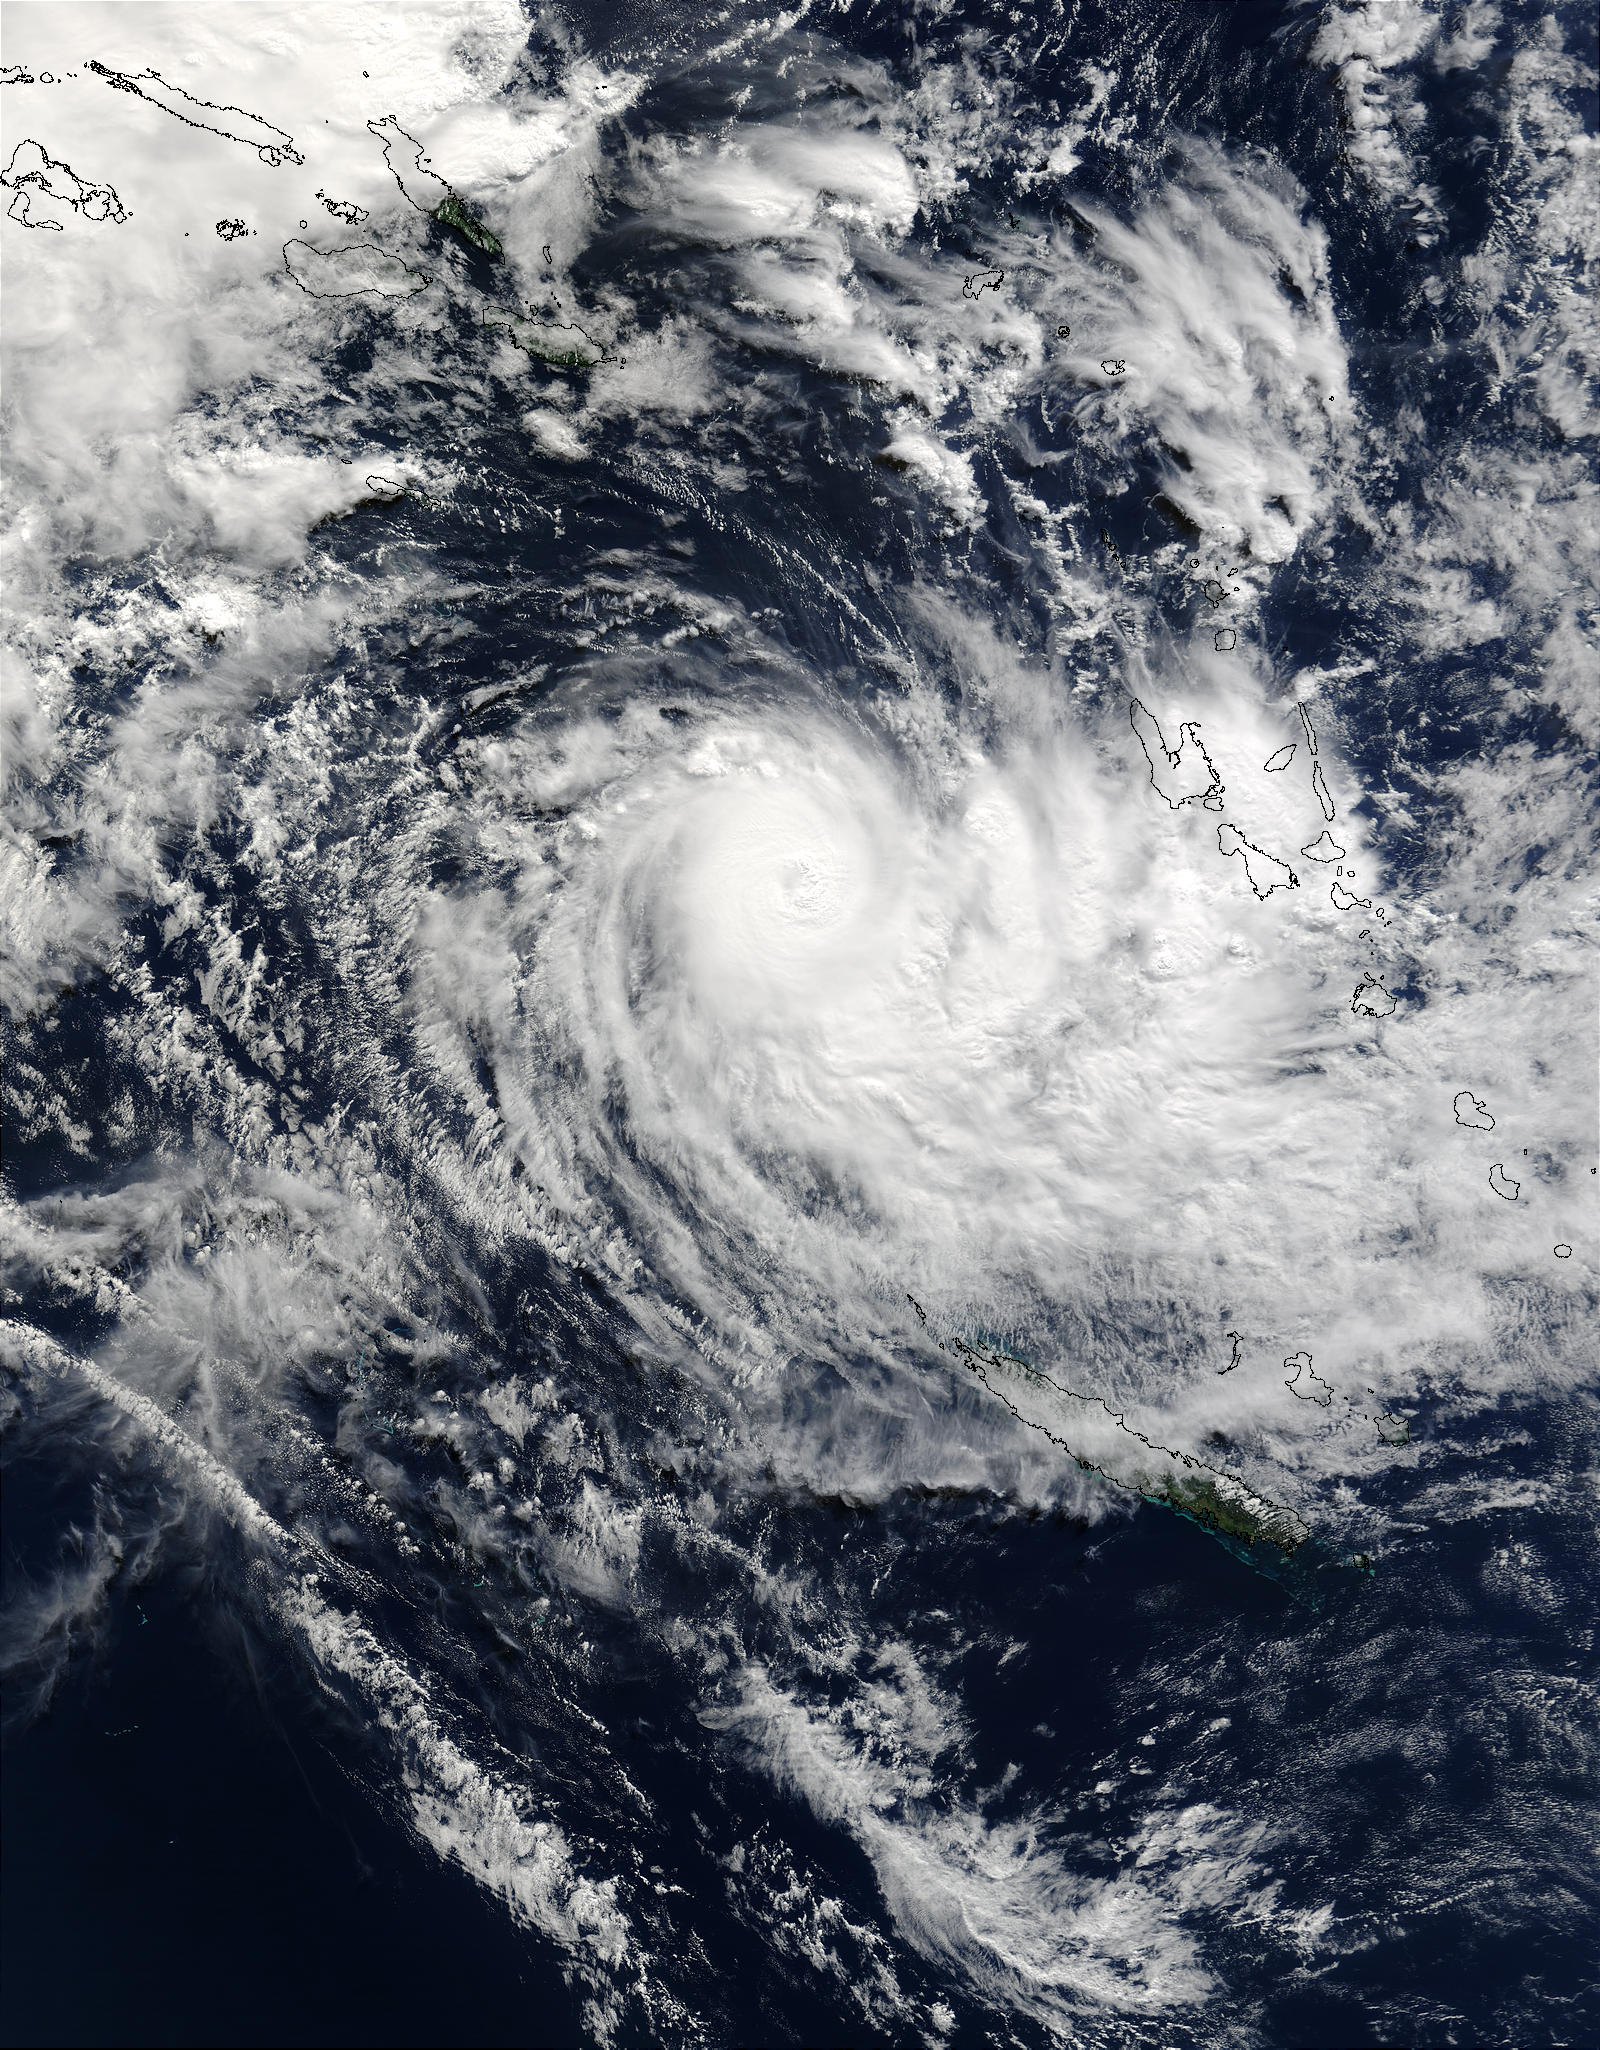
{"x": 363, "y": 269}
{"x": 1099, "y": 1439}
{"x": 450, "y": 213}
{"x": 420, "y": 184}
{"x": 567, "y": 348}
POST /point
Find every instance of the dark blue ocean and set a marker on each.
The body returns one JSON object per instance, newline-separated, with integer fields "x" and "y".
{"x": 487, "y": 1555}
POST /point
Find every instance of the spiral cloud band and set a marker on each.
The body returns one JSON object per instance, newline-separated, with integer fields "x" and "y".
{"x": 798, "y": 968}
{"x": 822, "y": 1022}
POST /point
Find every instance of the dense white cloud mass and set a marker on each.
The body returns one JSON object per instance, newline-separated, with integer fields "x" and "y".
{"x": 833, "y": 1014}
{"x": 657, "y": 854}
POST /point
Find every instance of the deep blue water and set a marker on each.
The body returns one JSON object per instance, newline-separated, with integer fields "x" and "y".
{"x": 188, "y": 1854}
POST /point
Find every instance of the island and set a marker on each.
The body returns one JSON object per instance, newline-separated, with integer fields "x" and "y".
{"x": 1185, "y": 775}
{"x": 34, "y": 176}
{"x": 347, "y": 273}
{"x": 1472, "y": 1112}
{"x": 1100, "y": 1441}
{"x": 567, "y": 348}
{"x": 1305, "y": 1382}
{"x": 422, "y": 187}
{"x": 272, "y": 145}
{"x": 1264, "y": 872}
{"x": 344, "y": 210}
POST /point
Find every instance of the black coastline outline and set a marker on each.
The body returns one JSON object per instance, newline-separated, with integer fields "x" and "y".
{"x": 357, "y": 291}
{"x": 558, "y": 358}
{"x": 1480, "y": 1120}
{"x": 281, "y": 152}
{"x": 1324, "y": 839}
{"x": 1188, "y": 736}
{"x": 1362, "y": 1002}
{"x": 1304, "y": 1381}
{"x": 1240, "y": 845}
{"x": 94, "y": 202}
{"x": 345, "y": 210}
{"x": 1210, "y": 1500}
{"x": 448, "y": 210}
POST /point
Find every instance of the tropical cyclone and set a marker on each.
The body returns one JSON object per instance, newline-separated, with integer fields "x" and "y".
{"x": 781, "y": 996}
{"x": 517, "y": 979}
{"x": 781, "y": 1014}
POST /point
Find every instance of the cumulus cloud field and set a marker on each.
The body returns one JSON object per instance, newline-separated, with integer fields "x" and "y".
{"x": 578, "y": 909}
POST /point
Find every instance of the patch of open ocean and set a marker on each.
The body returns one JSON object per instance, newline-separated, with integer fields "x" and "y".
{"x": 191, "y": 1852}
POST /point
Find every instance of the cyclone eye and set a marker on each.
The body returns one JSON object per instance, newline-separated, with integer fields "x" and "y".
{"x": 776, "y": 896}
{"x": 810, "y": 889}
